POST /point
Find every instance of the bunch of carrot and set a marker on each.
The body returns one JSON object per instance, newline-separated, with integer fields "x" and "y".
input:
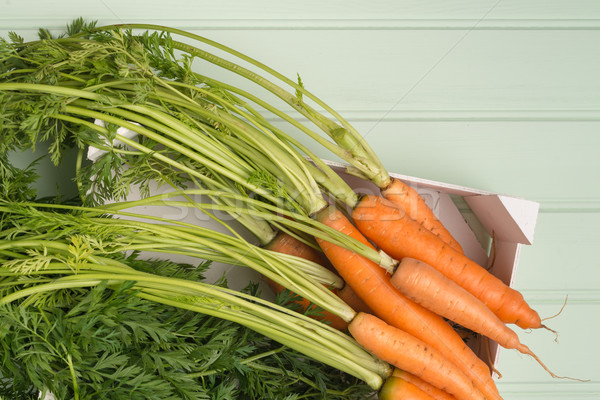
{"x": 402, "y": 314}
{"x": 399, "y": 323}
{"x": 433, "y": 280}
{"x": 401, "y": 311}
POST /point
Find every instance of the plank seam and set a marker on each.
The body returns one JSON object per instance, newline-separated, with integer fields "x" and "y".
{"x": 339, "y": 23}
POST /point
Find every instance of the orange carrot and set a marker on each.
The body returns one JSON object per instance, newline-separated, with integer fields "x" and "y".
{"x": 396, "y": 388}
{"x": 373, "y": 285}
{"x": 427, "y": 286}
{"x": 435, "y": 393}
{"x": 409, "y": 200}
{"x": 406, "y": 352}
{"x": 287, "y": 244}
{"x": 352, "y": 299}
{"x": 400, "y": 236}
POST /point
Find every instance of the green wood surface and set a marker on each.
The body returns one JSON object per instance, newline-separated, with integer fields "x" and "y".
{"x": 497, "y": 95}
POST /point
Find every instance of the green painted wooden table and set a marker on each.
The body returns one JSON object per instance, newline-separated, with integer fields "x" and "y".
{"x": 496, "y": 95}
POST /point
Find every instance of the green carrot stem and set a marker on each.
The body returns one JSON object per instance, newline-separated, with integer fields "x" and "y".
{"x": 306, "y": 225}
{"x": 239, "y": 252}
{"x": 288, "y": 163}
{"x": 321, "y": 172}
{"x": 345, "y": 136}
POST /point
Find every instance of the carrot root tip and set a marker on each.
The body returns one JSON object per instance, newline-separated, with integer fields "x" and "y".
{"x": 498, "y": 373}
{"x": 553, "y": 331}
{"x": 525, "y": 350}
{"x": 559, "y": 311}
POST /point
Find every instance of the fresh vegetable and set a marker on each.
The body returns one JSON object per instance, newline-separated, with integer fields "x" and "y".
{"x": 171, "y": 142}
{"x": 203, "y": 136}
{"x": 406, "y": 352}
{"x": 47, "y": 252}
{"x": 400, "y": 236}
{"x": 373, "y": 285}
{"x": 351, "y": 146}
{"x": 348, "y": 140}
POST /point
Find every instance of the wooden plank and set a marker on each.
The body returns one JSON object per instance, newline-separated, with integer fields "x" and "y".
{"x": 545, "y": 161}
{"x": 561, "y": 259}
{"x": 436, "y": 74}
{"x": 428, "y": 74}
{"x": 233, "y": 10}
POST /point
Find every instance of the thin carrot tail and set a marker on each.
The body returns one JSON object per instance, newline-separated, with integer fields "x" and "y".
{"x": 553, "y": 331}
{"x": 526, "y": 350}
{"x": 554, "y": 316}
{"x": 409, "y": 200}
